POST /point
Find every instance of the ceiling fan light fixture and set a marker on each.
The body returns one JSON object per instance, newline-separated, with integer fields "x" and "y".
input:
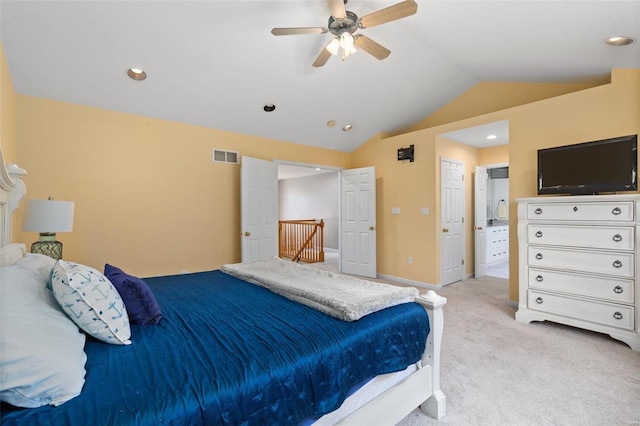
{"x": 348, "y": 52}
{"x": 334, "y": 46}
{"x": 346, "y": 41}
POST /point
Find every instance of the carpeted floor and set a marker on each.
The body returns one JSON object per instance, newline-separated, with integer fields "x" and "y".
{"x": 496, "y": 371}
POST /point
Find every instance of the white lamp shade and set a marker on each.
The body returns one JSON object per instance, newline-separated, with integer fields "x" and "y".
{"x": 334, "y": 46}
{"x": 48, "y": 216}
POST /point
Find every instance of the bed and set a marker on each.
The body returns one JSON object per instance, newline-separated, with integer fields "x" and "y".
{"x": 229, "y": 351}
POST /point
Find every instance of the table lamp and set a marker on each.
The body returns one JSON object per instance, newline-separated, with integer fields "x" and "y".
{"x": 48, "y": 217}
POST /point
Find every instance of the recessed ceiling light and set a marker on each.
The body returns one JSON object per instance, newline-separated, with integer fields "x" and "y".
{"x": 136, "y": 74}
{"x": 331, "y": 123}
{"x": 347, "y": 127}
{"x": 491, "y": 137}
{"x": 620, "y": 41}
{"x": 269, "y": 107}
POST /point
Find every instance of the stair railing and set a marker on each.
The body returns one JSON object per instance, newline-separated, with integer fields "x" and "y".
{"x": 301, "y": 240}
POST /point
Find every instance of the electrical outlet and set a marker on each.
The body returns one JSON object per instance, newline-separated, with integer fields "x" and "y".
{"x": 425, "y": 211}
{"x": 410, "y": 260}
{"x": 395, "y": 210}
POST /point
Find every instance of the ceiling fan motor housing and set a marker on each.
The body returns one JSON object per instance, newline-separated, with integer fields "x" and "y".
{"x": 348, "y": 24}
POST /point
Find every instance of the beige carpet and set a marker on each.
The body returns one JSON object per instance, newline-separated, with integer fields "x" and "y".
{"x": 496, "y": 371}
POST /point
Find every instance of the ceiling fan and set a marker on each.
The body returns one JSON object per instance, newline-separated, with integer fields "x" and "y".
{"x": 343, "y": 24}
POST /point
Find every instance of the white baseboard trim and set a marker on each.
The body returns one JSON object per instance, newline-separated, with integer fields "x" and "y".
{"x": 410, "y": 282}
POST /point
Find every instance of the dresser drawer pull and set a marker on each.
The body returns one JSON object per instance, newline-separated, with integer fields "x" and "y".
{"x": 540, "y": 279}
{"x": 617, "y": 238}
{"x": 538, "y": 211}
{"x": 539, "y": 234}
{"x": 539, "y": 256}
{"x": 539, "y": 300}
{"x": 616, "y": 211}
{"x": 617, "y": 264}
{"x": 617, "y": 315}
{"x": 617, "y": 289}
{"x": 575, "y": 209}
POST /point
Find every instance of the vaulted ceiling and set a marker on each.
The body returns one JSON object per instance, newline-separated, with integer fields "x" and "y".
{"x": 216, "y": 64}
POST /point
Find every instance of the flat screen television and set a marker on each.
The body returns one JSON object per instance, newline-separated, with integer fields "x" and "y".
{"x": 608, "y": 165}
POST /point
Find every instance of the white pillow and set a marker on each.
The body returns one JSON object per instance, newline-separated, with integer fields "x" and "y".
{"x": 11, "y": 253}
{"x": 91, "y": 301}
{"x": 40, "y": 264}
{"x": 42, "y": 355}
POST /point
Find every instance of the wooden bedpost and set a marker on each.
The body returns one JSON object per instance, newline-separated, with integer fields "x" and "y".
{"x": 436, "y": 405}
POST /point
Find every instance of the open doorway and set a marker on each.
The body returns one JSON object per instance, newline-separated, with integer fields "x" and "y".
{"x": 497, "y": 241}
{"x": 312, "y": 193}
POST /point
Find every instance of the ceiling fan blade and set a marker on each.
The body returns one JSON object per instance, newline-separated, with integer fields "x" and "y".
{"x": 371, "y": 47}
{"x": 338, "y": 10}
{"x": 322, "y": 58}
{"x": 298, "y": 31}
{"x": 388, "y": 14}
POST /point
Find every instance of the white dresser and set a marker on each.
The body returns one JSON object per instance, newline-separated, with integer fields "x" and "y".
{"x": 579, "y": 258}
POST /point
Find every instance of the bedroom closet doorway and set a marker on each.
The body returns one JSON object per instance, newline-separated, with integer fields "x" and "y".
{"x": 452, "y": 241}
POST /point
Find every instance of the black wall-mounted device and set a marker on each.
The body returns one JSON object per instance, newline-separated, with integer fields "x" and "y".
{"x": 405, "y": 154}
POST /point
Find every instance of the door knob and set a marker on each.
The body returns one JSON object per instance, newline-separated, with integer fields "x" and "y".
{"x": 445, "y": 230}
{"x": 247, "y": 233}
{"x": 372, "y": 228}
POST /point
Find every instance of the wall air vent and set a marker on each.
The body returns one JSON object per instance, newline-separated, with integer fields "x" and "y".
{"x": 221, "y": 156}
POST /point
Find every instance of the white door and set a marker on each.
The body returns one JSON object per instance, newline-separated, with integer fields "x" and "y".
{"x": 358, "y": 222}
{"x": 259, "y": 206}
{"x": 452, "y": 220}
{"x": 480, "y": 221}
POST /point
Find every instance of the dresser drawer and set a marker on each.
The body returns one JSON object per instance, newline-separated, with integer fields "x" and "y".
{"x": 611, "y": 289}
{"x": 605, "y": 211}
{"x": 619, "y": 316}
{"x": 605, "y": 237}
{"x": 599, "y": 262}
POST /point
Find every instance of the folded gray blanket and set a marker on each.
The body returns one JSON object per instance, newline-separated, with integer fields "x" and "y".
{"x": 338, "y": 295}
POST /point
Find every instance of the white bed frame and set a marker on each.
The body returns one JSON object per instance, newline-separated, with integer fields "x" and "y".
{"x": 421, "y": 388}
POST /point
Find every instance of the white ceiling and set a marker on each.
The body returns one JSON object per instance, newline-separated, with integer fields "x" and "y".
{"x": 215, "y": 63}
{"x": 483, "y": 136}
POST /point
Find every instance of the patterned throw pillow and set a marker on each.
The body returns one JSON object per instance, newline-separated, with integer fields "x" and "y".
{"x": 91, "y": 301}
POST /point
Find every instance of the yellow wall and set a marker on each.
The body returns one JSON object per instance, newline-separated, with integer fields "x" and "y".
{"x": 8, "y": 127}
{"x": 147, "y": 196}
{"x": 491, "y": 96}
{"x": 493, "y": 155}
{"x": 7, "y": 112}
{"x": 599, "y": 112}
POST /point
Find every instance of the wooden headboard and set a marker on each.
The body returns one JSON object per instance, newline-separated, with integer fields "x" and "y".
{"x": 12, "y": 190}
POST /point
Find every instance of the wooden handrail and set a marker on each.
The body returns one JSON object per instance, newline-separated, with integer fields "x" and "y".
{"x": 300, "y": 240}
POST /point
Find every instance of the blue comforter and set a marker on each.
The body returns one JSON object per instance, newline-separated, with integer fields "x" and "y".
{"x": 230, "y": 352}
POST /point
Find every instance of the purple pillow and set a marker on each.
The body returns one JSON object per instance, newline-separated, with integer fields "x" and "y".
{"x": 141, "y": 304}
